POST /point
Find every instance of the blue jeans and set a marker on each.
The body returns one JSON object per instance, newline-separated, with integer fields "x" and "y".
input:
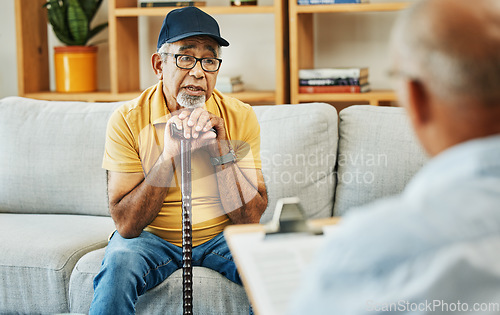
{"x": 132, "y": 266}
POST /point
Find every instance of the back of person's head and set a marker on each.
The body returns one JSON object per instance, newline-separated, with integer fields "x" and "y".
{"x": 453, "y": 46}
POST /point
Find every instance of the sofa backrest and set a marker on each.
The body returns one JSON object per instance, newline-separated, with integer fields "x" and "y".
{"x": 298, "y": 152}
{"x": 51, "y": 154}
{"x": 378, "y": 154}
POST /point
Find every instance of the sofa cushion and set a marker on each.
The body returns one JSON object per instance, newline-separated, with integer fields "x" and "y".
{"x": 51, "y": 155}
{"x": 38, "y": 253}
{"x": 298, "y": 152}
{"x": 212, "y": 293}
{"x": 378, "y": 154}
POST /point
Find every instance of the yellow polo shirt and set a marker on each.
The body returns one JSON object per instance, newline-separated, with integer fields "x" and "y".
{"x": 134, "y": 142}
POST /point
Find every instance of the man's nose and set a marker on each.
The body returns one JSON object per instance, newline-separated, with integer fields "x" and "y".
{"x": 197, "y": 71}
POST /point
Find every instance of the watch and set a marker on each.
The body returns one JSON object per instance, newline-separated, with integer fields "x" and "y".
{"x": 221, "y": 160}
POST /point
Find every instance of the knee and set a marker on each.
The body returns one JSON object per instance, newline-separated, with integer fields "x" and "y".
{"x": 122, "y": 259}
{"x": 123, "y": 256}
{"x": 121, "y": 268}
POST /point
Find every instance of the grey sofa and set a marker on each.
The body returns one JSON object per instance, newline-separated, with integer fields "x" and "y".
{"x": 54, "y": 220}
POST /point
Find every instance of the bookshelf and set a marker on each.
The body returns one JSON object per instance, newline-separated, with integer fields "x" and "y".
{"x": 33, "y": 63}
{"x": 302, "y": 49}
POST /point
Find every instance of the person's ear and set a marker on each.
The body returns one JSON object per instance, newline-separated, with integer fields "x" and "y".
{"x": 157, "y": 63}
{"x": 418, "y": 102}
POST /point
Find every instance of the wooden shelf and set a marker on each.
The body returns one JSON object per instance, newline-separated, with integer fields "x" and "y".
{"x": 302, "y": 49}
{"x": 123, "y": 30}
{"x": 99, "y": 96}
{"x": 257, "y": 97}
{"x": 292, "y": 53}
{"x": 373, "y": 98}
{"x": 33, "y": 55}
{"x": 130, "y": 12}
{"x": 361, "y": 7}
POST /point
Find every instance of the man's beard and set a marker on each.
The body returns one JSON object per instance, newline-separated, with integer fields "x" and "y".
{"x": 190, "y": 101}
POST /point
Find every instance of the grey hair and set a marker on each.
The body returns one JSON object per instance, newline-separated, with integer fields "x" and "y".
{"x": 444, "y": 60}
{"x": 165, "y": 48}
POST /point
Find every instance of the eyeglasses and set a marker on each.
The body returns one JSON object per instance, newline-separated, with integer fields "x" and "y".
{"x": 188, "y": 62}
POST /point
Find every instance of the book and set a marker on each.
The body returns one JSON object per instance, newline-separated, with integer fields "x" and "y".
{"x": 230, "y": 88}
{"x": 335, "y": 89}
{"x": 184, "y": 3}
{"x": 345, "y": 1}
{"x": 307, "y": 2}
{"x": 229, "y": 84}
{"x": 328, "y": 73}
{"x": 334, "y": 81}
{"x": 228, "y": 79}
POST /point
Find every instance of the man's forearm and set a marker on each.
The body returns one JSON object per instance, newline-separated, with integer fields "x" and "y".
{"x": 140, "y": 206}
{"x": 243, "y": 199}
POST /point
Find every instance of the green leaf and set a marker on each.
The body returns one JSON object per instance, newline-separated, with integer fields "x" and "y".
{"x": 70, "y": 20}
{"x": 87, "y": 7}
{"x": 57, "y": 15}
{"x": 97, "y": 29}
{"x": 90, "y": 8}
{"x": 54, "y": 13}
{"x": 78, "y": 23}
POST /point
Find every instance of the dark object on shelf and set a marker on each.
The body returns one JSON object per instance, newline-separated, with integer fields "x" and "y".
{"x": 185, "y": 3}
{"x": 335, "y": 89}
{"x": 243, "y": 2}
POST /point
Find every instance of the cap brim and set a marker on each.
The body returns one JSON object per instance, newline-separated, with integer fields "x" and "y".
{"x": 221, "y": 41}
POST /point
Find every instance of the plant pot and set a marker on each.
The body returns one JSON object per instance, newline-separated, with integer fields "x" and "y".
{"x": 75, "y": 68}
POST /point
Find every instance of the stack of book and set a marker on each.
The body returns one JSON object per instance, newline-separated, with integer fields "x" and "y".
{"x": 306, "y": 2}
{"x": 226, "y": 84}
{"x": 170, "y": 3}
{"x": 334, "y": 80}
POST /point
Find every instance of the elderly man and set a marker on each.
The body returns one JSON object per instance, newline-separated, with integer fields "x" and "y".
{"x": 142, "y": 159}
{"x": 434, "y": 248}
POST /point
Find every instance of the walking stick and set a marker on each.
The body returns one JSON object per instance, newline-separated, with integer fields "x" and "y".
{"x": 187, "y": 236}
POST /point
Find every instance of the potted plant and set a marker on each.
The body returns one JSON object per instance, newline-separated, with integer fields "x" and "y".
{"x": 76, "y": 63}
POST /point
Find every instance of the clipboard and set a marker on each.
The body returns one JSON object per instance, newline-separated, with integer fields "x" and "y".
{"x": 272, "y": 259}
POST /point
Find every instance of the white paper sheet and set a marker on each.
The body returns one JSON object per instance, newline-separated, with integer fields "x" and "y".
{"x": 272, "y": 267}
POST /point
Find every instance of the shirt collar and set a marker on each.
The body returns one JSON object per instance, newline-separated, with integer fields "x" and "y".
{"x": 472, "y": 158}
{"x": 159, "y": 110}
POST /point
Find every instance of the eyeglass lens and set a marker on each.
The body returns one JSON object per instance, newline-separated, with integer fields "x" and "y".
{"x": 188, "y": 62}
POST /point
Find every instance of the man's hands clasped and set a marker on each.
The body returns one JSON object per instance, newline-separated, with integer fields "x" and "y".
{"x": 195, "y": 125}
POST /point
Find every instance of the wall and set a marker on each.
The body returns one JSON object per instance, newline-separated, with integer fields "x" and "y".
{"x": 8, "y": 74}
{"x": 347, "y": 39}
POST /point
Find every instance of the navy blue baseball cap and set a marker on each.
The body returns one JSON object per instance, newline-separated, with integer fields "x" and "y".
{"x": 186, "y": 22}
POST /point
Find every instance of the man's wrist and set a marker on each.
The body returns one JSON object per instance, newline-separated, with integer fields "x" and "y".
{"x": 230, "y": 157}
{"x": 169, "y": 159}
{"x": 220, "y": 148}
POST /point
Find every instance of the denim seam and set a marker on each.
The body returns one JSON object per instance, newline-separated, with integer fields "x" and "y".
{"x": 149, "y": 271}
{"x": 215, "y": 253}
